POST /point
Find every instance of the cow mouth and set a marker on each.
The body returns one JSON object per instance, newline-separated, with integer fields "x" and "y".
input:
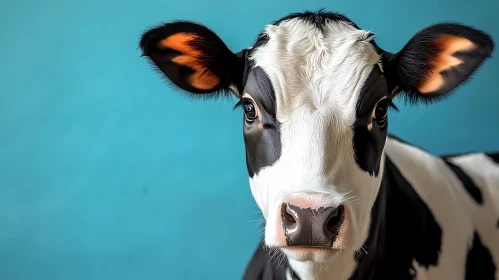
{"x": 308, "y": 249}
{"x": 311, "y": 253}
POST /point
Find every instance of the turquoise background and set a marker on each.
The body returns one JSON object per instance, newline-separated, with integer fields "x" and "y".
{"x": 106, "y": 172}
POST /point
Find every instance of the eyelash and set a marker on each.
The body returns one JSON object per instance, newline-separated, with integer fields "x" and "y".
{"x": 391, "y": 105}
{"x": 240, "y": 103}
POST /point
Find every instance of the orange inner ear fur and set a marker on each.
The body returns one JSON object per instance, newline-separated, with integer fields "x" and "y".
{"x": 202, "y": 78}
{"x": 448, "y": 46}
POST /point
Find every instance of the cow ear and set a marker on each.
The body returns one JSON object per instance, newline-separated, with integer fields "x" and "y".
{"x": 437, "y": 60}
{"x": 193, "y": 58}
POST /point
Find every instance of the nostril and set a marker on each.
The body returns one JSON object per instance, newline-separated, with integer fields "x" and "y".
{"x": 287, "y": 215}
{"x": 311, "y": 227}
{"x": 334, "y": 219}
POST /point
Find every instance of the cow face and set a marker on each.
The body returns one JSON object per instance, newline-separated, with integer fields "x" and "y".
{"x": 315, "y": 90}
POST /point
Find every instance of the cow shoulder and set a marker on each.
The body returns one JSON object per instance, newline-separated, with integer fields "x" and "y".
{"x": 412, "y": 234}
{"x": 404, "y": 235}
{"x": 426, "y": 193}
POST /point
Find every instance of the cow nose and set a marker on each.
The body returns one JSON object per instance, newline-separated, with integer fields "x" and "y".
{"x": 311, "y": 227}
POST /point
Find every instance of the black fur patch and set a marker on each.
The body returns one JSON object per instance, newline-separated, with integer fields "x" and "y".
{"x": 262, "y": 136}
{"x": 319, "y": 18}
{"x": 368, "y": 144}
{"x": 409, "y": 218}
{"x": 479, "y": 263}
{"x": 494, "y": 157}
{"x": 468, "y": 183}
{"x": 399, "y": 215}
{"x": 454, "y": 155}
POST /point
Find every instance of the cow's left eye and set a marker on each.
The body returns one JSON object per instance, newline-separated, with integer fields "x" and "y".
{"x": 381, "y": 111}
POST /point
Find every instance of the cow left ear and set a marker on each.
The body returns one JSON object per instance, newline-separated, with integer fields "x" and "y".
{"x": 437, "y": 60}
{"x": 194, "y": 58}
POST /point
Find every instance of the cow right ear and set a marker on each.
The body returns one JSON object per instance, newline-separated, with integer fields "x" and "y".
{"x": 193, "y": 58}
{"x": 437, "y": 60}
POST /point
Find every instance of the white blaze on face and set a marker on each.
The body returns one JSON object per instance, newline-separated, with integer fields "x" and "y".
{"x": 317, "y": 77}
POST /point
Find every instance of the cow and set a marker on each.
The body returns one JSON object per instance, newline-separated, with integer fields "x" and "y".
{"x": 340, "y": 196}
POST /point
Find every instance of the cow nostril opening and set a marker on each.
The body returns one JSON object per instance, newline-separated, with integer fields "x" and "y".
{"x": 334, "y": 220}
{"x": 287, "y": 215}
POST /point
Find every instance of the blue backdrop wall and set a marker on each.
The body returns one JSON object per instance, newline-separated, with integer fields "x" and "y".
{"x": 108, "y": 173}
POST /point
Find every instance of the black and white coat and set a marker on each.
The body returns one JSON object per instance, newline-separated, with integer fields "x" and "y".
{"x": 435, "y": 217}
{"x": 341, "y": 198}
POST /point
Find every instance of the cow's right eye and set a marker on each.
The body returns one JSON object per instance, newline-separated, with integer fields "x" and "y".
{"x": 249, "y": 110}
{"x": 381, "y": 111}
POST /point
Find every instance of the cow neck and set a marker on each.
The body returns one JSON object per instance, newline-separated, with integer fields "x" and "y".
{"x": 360, "y": 264}
{"x": 376, "y": 240}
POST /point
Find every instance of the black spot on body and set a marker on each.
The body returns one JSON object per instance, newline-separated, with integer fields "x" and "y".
{"x": 368, "y": 144}
{"x": 454, "y": 155}
{"x": 403, "y": 229}
{"x": 467, "y": 182}
{"x": 494, "y": 157}
{"x": 479, "y": 264}
{"x": 408, "y": 208}
{"x": 261, "y": 136}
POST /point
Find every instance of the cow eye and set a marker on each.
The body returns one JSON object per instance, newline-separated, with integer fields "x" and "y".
{"x": 381, "y": 111}
{"x": 249, "y": 110}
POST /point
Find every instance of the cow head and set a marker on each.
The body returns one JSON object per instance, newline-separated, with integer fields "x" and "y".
{"x": 315, "y": 90}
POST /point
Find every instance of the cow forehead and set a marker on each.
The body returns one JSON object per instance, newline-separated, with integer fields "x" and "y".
{"x": 315, "y": 67}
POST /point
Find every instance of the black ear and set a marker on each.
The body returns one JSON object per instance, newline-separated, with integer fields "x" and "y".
{"x": 193, "y": 58}
{"x": 437, "y": 60}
